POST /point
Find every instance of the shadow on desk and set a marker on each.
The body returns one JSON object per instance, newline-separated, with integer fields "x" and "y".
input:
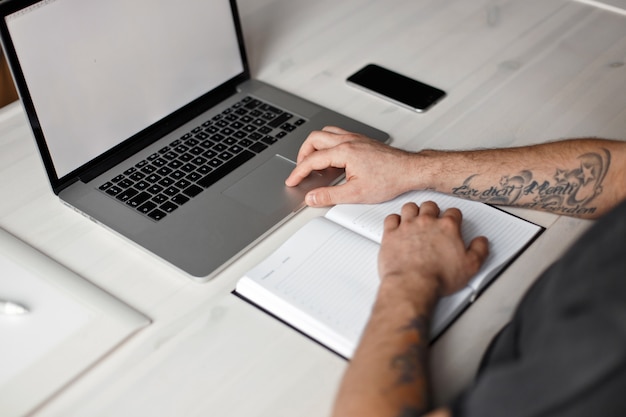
{"x": 7, "y": 88}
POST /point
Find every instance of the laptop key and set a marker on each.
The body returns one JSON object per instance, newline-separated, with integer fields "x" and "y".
{"x": 148, "y": 169}
{"x": 269, "y": 139}
{"x": 136, "y": 176}
{"x": 168, "y": 207}
{"x": 253, "y": 104}
{"x": 152, "y": 178}
{"x": 187, "y": 168}
{"x": 245, "y": 142}
{"x": 147, "y": 207}
{"x": 154, "y": 189}
{"x": 142, "y": 185}
{"x": 186, "y": 157}
{"x": 220, "y": 147}
{"x": 288, "y": 127}
{"x": 113, "y": 190}
{"x": 171, "y": 191}
{"x": 271, "y": 109}
{"x": 215, "y": 163}
{"x": 225, "y": 169}
{"x": 182, "y": 184}
{"x": 204, "y": 169}
{"x": 193, "y": 190}
{"x": 194, "y": 176}
{"x": 177, "y": 175}
{"x": 127, "y": 194}
{"x": 175, "y": 164}
{"x": 159, "y": 162}
{"x": 225, "y": 156}
{"x": 258, "y": 147}
{"x": 157, "y": 214}
{"x": 159, "y": 199}
{"x": 180, "y": 199}
{"x": 166, "y": 182}
{"x": 139, "y": 199}
{"x": 280, "y": 120}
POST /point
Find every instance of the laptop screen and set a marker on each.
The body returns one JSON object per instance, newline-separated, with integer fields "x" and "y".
{"x": 99, "y": 72}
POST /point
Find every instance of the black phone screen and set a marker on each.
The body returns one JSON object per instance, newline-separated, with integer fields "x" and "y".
{"x": 396, "y": 87}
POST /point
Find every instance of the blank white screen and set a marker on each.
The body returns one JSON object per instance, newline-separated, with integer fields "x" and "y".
{"x": 100, "y": 71}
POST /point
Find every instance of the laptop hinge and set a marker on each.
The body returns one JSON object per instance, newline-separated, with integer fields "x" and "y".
{"x": 111, "y": 161}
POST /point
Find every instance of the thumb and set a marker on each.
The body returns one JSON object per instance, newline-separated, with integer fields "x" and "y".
{"x": 478, "y": 251}
{"x": 329, "y": 196}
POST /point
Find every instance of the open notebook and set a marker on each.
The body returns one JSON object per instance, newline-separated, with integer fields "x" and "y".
{"x": 323, "y": 279}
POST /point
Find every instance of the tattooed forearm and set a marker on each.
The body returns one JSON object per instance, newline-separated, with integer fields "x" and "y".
{"x": 410, "y": 366}
{"x": 570, "y": 190}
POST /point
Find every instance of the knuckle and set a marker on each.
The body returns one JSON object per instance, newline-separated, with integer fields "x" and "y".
{"x": 324, "y": 197}
{"x": 448, "y": 222}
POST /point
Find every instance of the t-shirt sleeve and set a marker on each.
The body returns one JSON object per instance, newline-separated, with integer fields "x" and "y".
{"x": 564, "y": 353}
{"x": 575, "y": 367}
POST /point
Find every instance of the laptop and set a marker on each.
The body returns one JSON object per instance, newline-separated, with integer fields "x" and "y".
{"x": 148, "y": 123}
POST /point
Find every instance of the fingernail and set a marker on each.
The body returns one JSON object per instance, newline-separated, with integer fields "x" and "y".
{"x": 311, "y": 199}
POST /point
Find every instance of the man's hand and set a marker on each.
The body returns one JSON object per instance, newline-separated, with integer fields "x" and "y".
{"x": 375, "y": 172}
{"x": 419, "y": 244}
{"x": 422, "y": 257}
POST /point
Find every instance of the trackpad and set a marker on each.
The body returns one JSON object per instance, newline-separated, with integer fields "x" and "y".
{"x": 264, "y": 188}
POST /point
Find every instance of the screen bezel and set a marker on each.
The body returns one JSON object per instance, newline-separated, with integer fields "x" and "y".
{"x": 129, "y": 146}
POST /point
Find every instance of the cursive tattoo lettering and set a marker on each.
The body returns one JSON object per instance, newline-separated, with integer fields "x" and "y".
{"x": 569, "y": 191}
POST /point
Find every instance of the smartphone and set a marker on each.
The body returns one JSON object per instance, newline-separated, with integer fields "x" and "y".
{"x": 397, "y": 88}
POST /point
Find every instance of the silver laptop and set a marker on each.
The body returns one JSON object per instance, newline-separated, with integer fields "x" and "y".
{"x": 148, "y": 123}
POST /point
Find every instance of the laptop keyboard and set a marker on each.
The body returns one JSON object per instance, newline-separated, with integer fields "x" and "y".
{"x": 180, "y": 171}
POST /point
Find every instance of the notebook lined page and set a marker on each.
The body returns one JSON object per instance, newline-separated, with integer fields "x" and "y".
{"x": 507, "y": 234}
{"x": 325, "y": 276}
{"x": 323, "y": 280}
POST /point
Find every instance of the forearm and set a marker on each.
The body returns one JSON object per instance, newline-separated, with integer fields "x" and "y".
{"x": 582, "y": 177}
{"x": 387, "y": 375}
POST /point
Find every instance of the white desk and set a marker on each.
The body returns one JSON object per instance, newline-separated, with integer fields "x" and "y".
{"x": 516, "y": 71}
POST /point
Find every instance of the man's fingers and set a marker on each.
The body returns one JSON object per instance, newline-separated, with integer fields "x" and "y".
{"x": 317, "y": 140}
{"x": 478, "y": 250}
{"x": 455, "y": 213}
{"x": 296, "y": 176}
{"x": 409, "y": 210}
{"x": 429, "y": 208}
{"x": 329, "y": 196}
{"x": 392, "y": 221}
{"x": 335, "y": 129}
{"x": 315, "y": 162}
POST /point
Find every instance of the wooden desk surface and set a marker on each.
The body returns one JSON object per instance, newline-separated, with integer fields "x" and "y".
{"x": 516, "y": 72}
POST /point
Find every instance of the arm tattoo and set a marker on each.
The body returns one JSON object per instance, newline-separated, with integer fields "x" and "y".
{"x": 409, "y": 363}
{"x": 411, "y": 366}
{"x": 568, "y": 192}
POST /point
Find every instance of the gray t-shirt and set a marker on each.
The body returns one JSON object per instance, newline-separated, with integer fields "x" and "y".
{"x": 564, "y": 351}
